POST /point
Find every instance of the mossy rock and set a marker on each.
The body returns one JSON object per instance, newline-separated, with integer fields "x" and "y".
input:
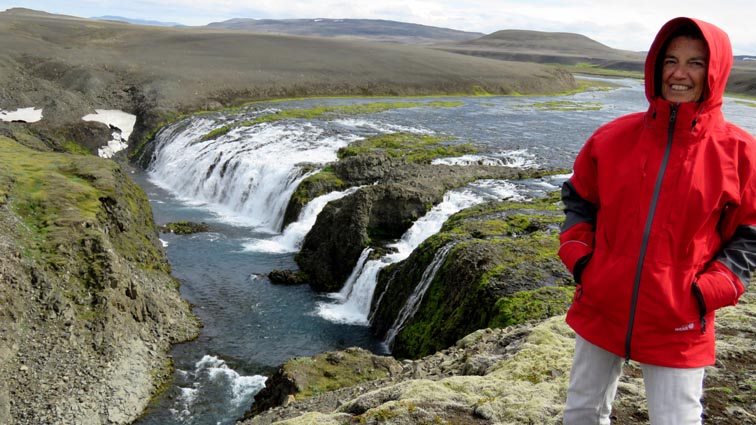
{"x": 503, "y": 270}
{"x": 184, "y": 227}
{"x": 304, "y": 377}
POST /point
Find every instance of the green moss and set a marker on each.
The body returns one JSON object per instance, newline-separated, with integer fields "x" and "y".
{"x": 480, "y": 91}
{"x": 524, "y": 306}
{"x": 320, "y": 183}
{"x": 331, "y": 371}
{"x": 75, "y": 148}
{"x": 743, "y": 102}
{"x": 185, "y": 227}
{"x": 503, "y": 270}
{"x": 72, "y": 207}
{"x": 594, "y": 69}
{"x": 417, "y": 148}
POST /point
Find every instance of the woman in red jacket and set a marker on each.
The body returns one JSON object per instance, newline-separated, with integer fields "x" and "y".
{"x": 660, "y": 232}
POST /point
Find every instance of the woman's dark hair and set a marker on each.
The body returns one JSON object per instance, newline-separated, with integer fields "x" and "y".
{"x": 688, "y": 31}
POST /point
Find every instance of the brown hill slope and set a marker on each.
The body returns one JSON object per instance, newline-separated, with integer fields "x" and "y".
{"x": 372, "y": 29}
{"x": 71, "y": 65}
{"x": 547, "y": 47}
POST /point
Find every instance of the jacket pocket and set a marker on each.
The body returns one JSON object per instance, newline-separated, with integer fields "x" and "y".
{"x": 580, "y": 265}
{"x": 701, "y": 305}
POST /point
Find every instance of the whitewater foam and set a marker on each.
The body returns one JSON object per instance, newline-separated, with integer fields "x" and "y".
{"x": 293, "y": 235}
{"x": 520, "y": 158}
{"x": 213, "y": 381}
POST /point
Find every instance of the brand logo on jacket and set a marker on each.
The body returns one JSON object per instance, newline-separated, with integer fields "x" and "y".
{"x": 685, "y": 328}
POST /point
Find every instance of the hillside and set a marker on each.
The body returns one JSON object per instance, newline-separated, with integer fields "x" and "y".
{"x": 69, "y": 66}
{"x": 372, "y": 29}
{"x": 548, "y": 47}
{"x": 89, "y": 309}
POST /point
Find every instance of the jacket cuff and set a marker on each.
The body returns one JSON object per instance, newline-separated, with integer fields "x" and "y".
{"x": 719, "y": 287}
{"x": 573, "y": 250}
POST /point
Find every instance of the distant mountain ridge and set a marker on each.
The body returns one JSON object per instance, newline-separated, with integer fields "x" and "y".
{"x": 374, "y": 29}
{"x": 562, "y": 42}
{"x": 138, "y": 21}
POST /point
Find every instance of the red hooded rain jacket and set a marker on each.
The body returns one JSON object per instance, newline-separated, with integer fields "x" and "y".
{"x": 660, "y": 226}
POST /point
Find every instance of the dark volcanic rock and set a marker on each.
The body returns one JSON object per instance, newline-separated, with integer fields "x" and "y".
{"x": 287, "y": 277}
{"x": 185, "y": 227}
{"x": 331, "y": 249}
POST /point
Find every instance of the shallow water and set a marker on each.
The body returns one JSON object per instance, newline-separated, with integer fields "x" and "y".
{"x": 250, "y": 325}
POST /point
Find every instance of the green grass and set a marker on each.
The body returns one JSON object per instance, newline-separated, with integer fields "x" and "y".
{"x": 70, "y": 207}
{"x": 563, "y": 105}
{"x": 416, "y": 148}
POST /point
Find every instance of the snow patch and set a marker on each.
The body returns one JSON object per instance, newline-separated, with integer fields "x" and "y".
{"x": 121, "y": 121}
{"x": 24, "y": 114}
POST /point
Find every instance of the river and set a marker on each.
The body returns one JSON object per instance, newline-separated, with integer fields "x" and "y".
{"x": 240, "y": 183}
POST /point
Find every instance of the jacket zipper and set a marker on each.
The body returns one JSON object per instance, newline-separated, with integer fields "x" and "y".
{"x": 647, "y": 230}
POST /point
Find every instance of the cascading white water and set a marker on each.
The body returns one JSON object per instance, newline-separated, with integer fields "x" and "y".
{"x": 247, "y": 175}
{"x": 520, "y": 158}
{"x": 413, "y": 302}
{"x": 215, "y": 382}
{"x": 354, "y": 307}
{"x": 293, "y": 235}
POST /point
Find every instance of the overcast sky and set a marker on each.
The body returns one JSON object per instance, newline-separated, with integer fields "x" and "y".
{"x": 611, "y": 22}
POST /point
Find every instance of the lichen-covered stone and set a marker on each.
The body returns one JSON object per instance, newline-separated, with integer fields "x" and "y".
{"x": 305, "y": 377}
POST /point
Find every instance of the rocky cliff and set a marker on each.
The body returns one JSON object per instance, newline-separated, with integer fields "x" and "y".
{"x": 89, "y": 309}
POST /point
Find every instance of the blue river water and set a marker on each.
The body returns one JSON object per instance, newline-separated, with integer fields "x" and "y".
{"x": 238, "y": 186}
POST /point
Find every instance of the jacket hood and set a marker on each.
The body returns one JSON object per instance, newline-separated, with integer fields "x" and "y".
{"x": 720, "y": 60}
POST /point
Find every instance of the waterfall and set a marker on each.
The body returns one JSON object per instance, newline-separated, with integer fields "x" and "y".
{"x": 354, "y": 307}
{"x": 247, "y": 175}
{"x": 413, "y": 302}
{"x": 293, "y": 235}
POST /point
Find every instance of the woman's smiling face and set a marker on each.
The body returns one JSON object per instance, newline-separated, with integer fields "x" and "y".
{"x": 684, "y": 70}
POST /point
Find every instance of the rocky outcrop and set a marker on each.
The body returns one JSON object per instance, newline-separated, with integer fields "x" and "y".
{"x": 396, "y": 192}
{"x": 501, "y": 270}
{"x": 304, "y": 377}
{"x": 287, "y": 277}
{"x": 518, "y": 375}
{"x": 184, "y": 227}
{"x": 89, "y": 307}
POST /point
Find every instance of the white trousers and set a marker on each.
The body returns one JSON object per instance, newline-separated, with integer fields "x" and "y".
{"x": 673, "y": 395}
